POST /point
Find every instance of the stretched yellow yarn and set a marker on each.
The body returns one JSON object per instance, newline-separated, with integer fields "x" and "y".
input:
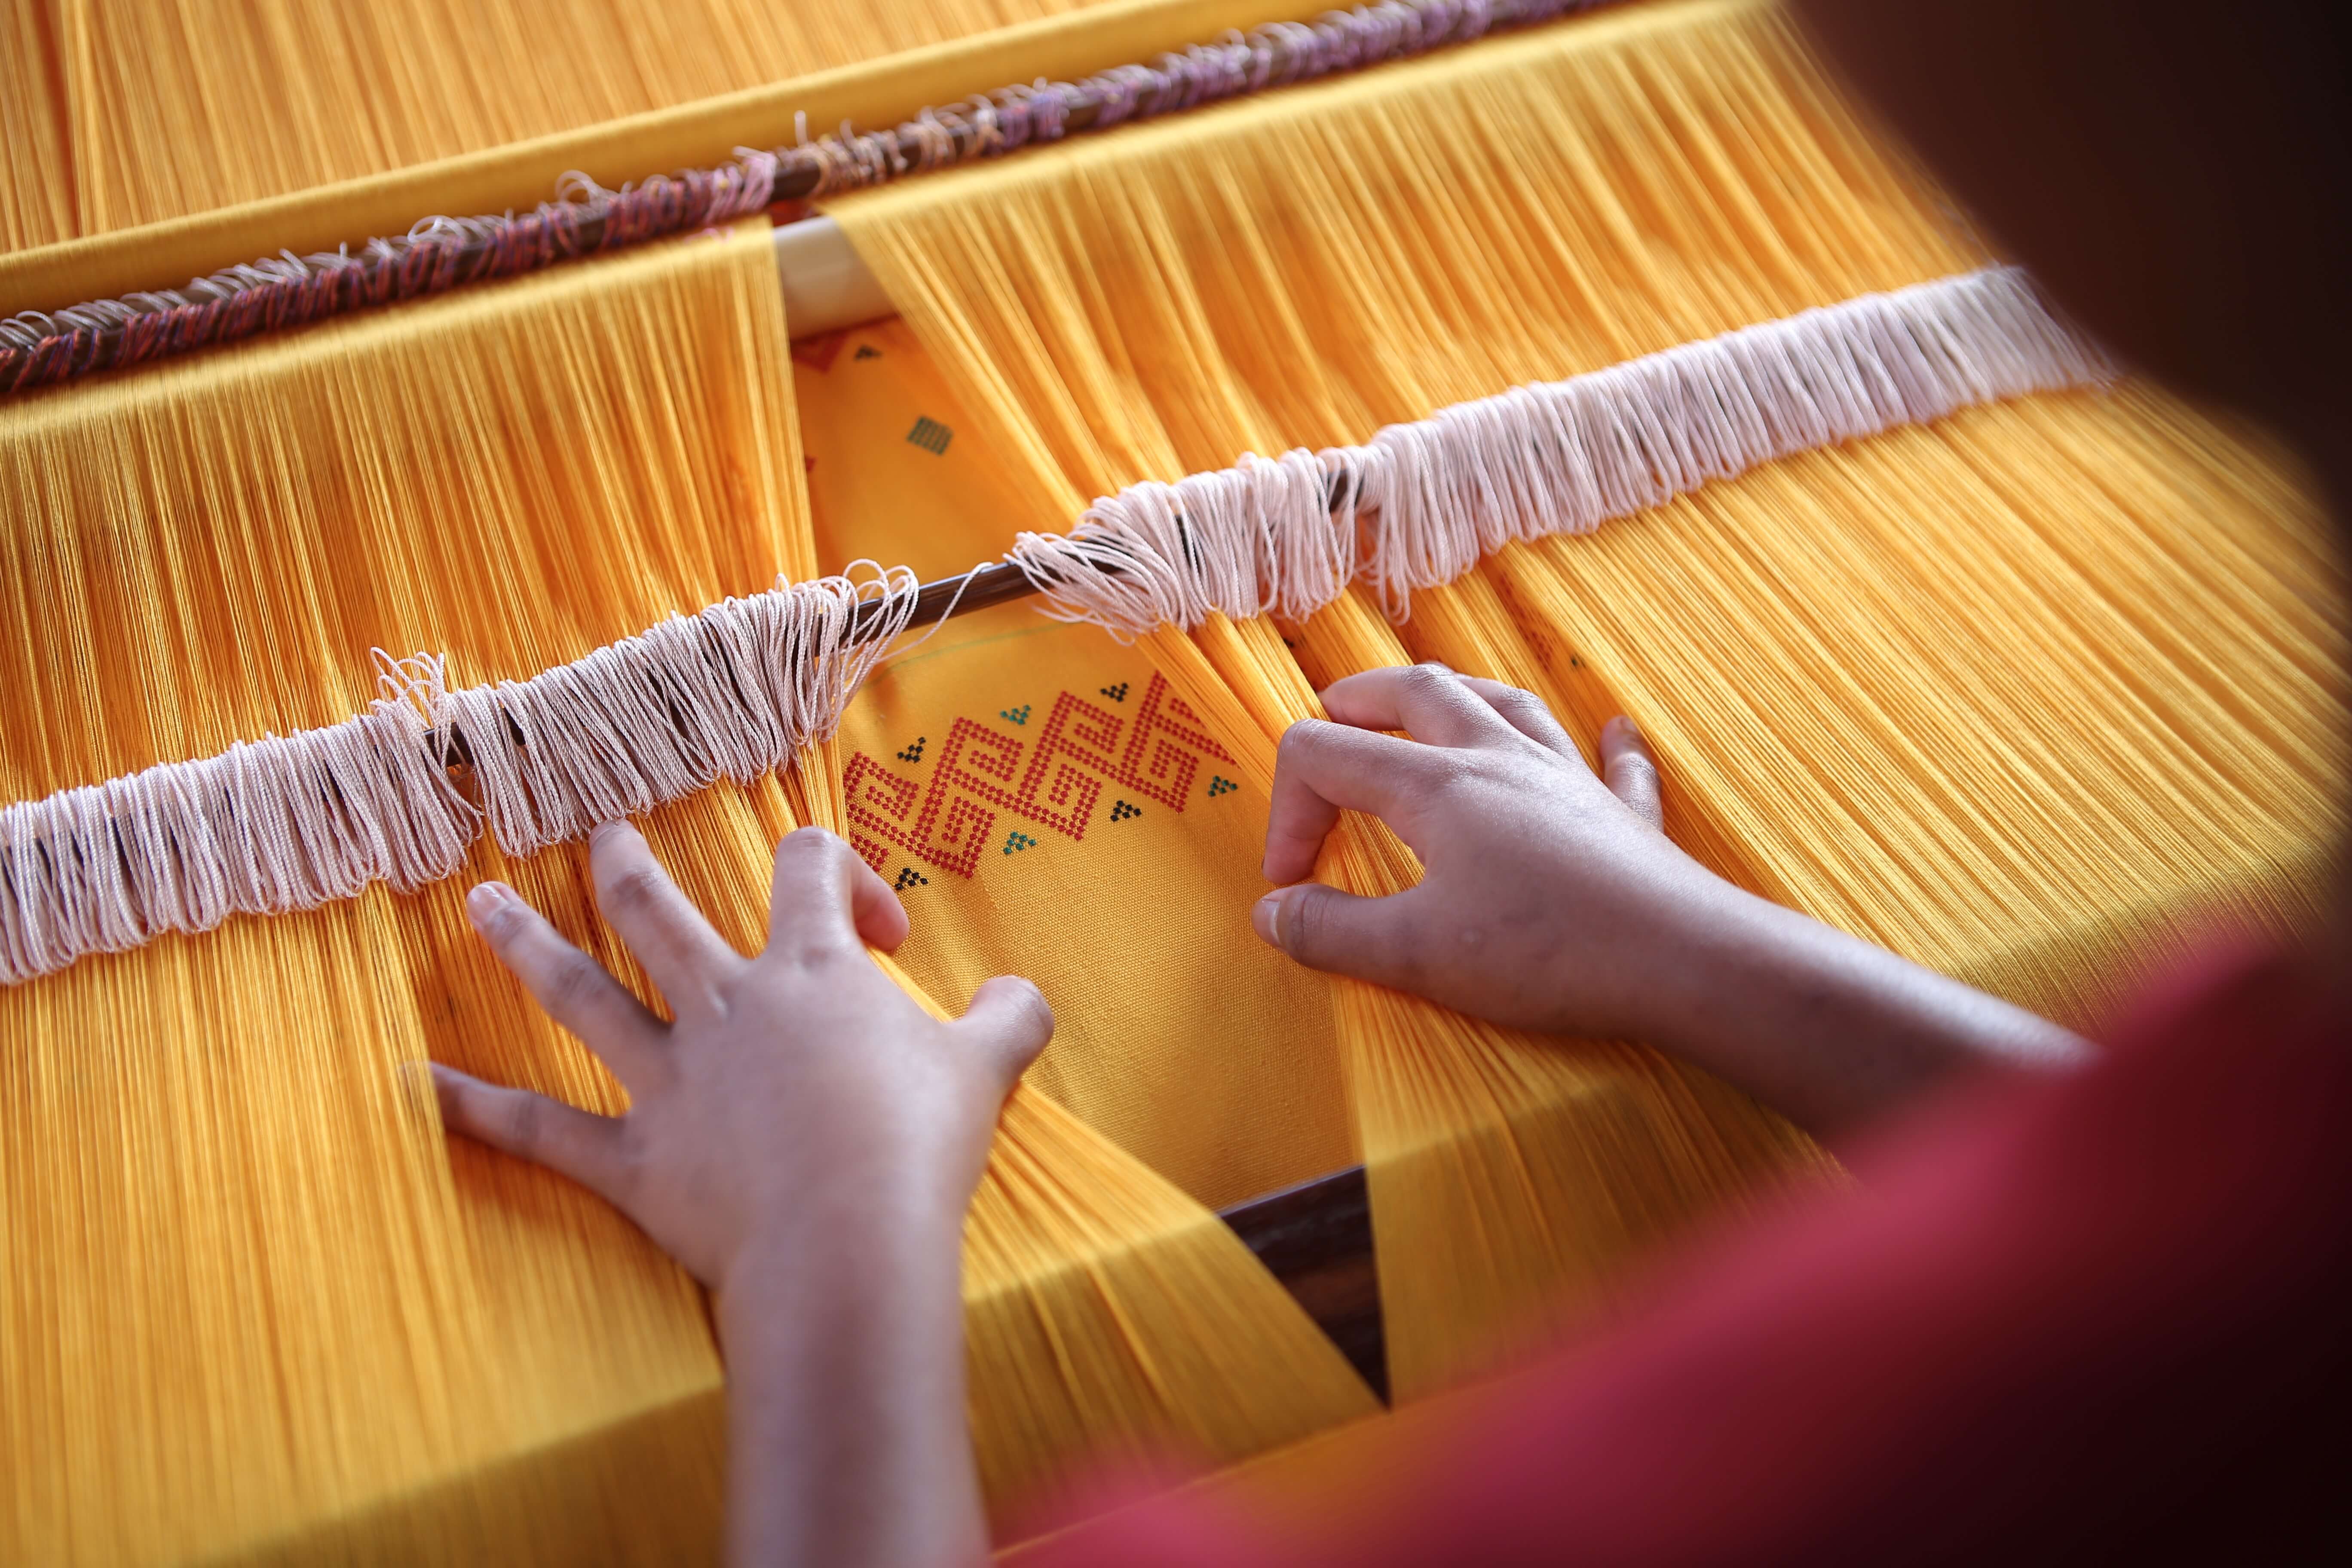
{"x": 246, "y": 1293}
{"x": 249, "y": 1305}
{"x": 2019, "y": 694}
{"x": 118, "y": 112}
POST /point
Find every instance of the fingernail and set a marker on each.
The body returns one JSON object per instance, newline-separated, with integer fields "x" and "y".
{"x": 1266, "y": 918}
{"x": 486, "y": 900}
{"x": 448, "y": 1088}
{"x": 602, "y": 828}
{"x": 1625, "y": 727}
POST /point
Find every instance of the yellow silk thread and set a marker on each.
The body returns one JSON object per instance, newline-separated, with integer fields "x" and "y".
{"x": 117, "y": 112}
{"x": 2017, "y": 693}
{"x": 251, "y": 1305}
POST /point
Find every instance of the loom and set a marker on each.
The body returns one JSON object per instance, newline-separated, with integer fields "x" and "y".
{"x": 1601, "y": 349}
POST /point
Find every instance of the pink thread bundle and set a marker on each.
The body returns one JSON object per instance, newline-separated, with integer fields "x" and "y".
{"x": 293, "y": 821}
{"x": 1422, "y": 503}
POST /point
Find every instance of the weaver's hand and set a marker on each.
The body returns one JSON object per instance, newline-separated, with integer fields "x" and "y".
{"x": 1552, "y": 901}
{"x": 804, "y": 1139}
{"x": 1552, "y": 898}
{"x": 794, "y": 1089}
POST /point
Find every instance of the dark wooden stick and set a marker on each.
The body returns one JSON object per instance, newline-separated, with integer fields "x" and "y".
{"x": 998, "y": 584}
{"x": 1317, "y": 1238}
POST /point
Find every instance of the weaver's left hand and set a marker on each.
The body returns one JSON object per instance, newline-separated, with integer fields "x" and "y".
{"x": 804, "y": 1139}
{"x": 795, "y": 1091}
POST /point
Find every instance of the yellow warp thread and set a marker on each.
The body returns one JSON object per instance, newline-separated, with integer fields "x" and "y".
{"x": 247, "y": 1293}
{"x": 2036, "y": 695}
{"x": 117, "y": 112}
{"x": 2017, "y": 694}
{"x": 216, "y": 1188}
{"x": 212, "y": 547}
{"x": 1301, "y": 269}
{"x": 251, "y": 1305}
{"x": 695, "y": 134}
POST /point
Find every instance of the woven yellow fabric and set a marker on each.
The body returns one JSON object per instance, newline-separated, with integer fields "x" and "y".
{"x": 2011, "y": 693}
{"x": 1044, "y": 809}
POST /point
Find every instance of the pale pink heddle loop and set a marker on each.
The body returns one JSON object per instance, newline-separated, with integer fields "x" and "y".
{"x": 1421, "y": 503}
{"x": 293, "y": 821}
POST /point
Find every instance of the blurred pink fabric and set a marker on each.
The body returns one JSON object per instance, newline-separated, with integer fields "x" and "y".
{"x": 2102, "y": 1316}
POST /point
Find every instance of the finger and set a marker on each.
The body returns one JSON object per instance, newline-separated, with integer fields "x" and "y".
{"x": 1320, "y": 768}
{"x": 1524, "y": 711}
{"x": 573, "y": 987}
{"x": 563, "y": 1138}
{"x": 1323, "y": 927}
{"x": 1010, "y": 1020}
{"x": 1630, "y": 770}
{"x": 687, "y": 960}
{"x": 875, "y": 909}
{"x": 1427, "y": 701}
{"x": 811, "y": 907}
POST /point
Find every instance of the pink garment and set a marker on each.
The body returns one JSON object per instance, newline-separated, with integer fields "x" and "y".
{"x": 2100, "y": 1317}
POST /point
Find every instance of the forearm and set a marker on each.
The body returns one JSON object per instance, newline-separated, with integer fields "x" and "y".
{"x": 847, "y": 1439}
{"x": 1828, "y": 1029}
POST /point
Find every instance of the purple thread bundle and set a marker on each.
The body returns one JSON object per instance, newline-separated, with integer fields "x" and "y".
{"x": 39, "y": 349}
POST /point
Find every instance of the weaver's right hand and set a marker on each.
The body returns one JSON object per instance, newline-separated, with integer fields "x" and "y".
{"x": 1550, "y": 900}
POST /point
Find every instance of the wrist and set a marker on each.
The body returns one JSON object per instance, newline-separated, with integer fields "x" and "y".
{"x": 851, "y": 1237}
{"x": 844, "y": 1358}
{"x": 1830, "y": 1029}
{"x": 1678, "y": 966}
{"x": 1744, "y": 962}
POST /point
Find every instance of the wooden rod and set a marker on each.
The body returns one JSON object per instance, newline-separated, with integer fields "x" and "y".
{"x": 976, "y": 590}
{"x": 1317, "y": 1239}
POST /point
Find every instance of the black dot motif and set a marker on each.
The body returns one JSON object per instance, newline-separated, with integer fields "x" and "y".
{"x": 1116, "y": 693}
{"x": 931, "y": 435}
{"x": 910, "y": 877}
{"x": 866, "y": 351}
{"x": 1018, "y": 715}
{"x": 1019, "y": 841}
{"x": 914, "y": 753}
{"x": 1121, "y": 811}
{"x": 1220, "y": 785}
